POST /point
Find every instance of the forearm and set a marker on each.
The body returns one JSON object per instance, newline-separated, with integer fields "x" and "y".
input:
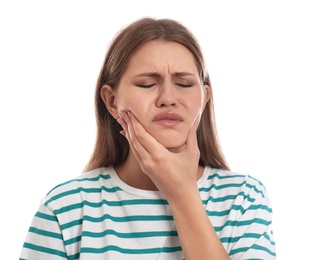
{"x": 196, "y": 233}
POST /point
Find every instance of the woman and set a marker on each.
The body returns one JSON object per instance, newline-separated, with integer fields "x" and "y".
{"x": 157, "y": 185}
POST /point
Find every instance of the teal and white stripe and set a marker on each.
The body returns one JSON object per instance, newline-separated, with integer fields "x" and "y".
{"x": 97, "y": 216}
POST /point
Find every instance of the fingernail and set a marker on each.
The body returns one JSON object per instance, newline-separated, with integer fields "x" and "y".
{"x": 121, "y": 115}
{"x": 123, "y": 132}
{"x": 119, "y": 121}
{"x": 129, "y": 113}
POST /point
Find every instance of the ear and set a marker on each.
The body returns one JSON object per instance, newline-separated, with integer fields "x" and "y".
{"x": 207, "y": 95}
{"x": 109, "y": 99}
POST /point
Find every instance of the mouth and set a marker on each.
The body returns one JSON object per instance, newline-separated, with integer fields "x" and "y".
{"x": 168, "y": 119}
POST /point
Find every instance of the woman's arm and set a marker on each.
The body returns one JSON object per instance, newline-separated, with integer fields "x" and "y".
{"x": 196, "y": 233}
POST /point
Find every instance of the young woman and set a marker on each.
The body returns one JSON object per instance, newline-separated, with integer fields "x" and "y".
{"x": 157, "y": 185}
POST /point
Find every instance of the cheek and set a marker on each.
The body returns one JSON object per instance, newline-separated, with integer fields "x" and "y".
{"x": 135, "y": 104}
{"x": 196, "y": 106}
{"x": 140, "y": 109}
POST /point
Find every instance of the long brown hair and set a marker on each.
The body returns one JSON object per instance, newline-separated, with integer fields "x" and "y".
{"x": 111, "y": 148}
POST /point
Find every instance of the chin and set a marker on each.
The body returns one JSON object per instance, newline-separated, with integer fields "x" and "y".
{"x": 175, "y": 149}
{"x": 172, "y": 141}
{"x": 172, "y": 146}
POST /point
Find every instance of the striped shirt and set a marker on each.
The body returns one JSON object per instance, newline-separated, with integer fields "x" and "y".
{"x": 98, "y": 216}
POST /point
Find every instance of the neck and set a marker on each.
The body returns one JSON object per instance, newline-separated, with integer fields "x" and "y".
{"x": 130, "y": 173}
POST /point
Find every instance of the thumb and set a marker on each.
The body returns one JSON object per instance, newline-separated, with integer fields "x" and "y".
{"x": 191, "y": 142}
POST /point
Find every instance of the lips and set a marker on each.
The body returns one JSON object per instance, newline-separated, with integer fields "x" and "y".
{"x": 167, "y": 118}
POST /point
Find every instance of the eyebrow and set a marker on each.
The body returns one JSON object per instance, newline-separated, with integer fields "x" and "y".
{"x": 157, "y": 75}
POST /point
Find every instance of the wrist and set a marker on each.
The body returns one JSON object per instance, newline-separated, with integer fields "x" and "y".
{"x": 185, "y": 198}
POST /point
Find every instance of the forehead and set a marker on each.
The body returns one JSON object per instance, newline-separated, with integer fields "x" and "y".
{"x": 162, "y": 56}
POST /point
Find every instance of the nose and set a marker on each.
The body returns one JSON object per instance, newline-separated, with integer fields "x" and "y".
{"x": 166, "y": 96}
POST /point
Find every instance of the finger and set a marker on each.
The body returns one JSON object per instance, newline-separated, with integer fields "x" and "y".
{"x": 192, "y": 143}
{"x": 132, "y": 137}
{"x": 192, "y": 138}
{"x": 123, "y": 125}
{"x": 150, "y": 151}
{"x": 126, "y": 133}
{"x": 150, "y": 144}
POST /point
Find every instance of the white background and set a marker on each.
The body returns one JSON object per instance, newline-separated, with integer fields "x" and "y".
{"x": 261, "y": 59}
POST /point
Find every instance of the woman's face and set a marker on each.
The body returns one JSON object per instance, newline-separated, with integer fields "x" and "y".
{"x": 162, "y": 88}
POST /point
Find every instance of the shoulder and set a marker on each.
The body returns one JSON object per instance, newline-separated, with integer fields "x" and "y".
{"x": 80, "y": 188}
{"x": 235, "y": 182}
{"x": 236, "y": 200}
{"x": 85, "y": 179}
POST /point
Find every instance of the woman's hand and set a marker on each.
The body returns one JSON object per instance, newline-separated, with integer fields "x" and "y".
{"x": 175, "y": 174}
{"x": 172, "y": 173}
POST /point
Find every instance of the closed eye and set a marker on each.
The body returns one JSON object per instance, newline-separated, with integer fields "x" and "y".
{"x": 151, "y": 85}
{"x": 145, "y": 85}
{"x": 185, "y": 85}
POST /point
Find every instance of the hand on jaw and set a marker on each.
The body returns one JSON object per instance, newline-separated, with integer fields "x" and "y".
{"x": 173, "y": 173}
